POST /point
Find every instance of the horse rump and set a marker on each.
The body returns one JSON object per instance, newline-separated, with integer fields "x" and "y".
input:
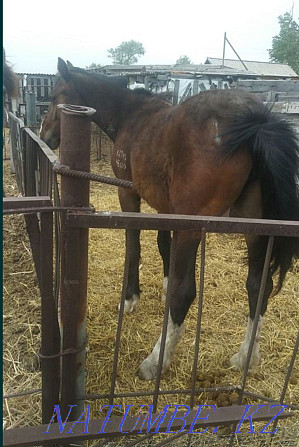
{"x": 274, "y": 147}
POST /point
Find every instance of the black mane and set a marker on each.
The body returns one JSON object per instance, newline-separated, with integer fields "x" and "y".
{"x": 120, "y": 81}
{"x": 10, "y": 79}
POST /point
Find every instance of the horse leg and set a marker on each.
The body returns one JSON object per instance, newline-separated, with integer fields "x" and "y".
{"x": 249, "y": 205}
{"x": 183, "y": 292}
{"x": 164, "y": 242}
{"x": 256, "y": 256}
{"x": 130, "y": 202}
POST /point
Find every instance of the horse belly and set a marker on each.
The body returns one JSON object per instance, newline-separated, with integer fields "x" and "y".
{"x": 209, "y": 188}
{"x": 150, "y": 174}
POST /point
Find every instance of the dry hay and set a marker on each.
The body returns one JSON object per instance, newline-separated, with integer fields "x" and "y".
{"x": 224, "y": 319}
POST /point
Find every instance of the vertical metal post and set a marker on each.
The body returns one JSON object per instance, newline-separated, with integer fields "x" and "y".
{"x": 50, "y": 328}
{"x": 31, "y": 109}
{"x": 99, "y": 145}
{"x": 146, "y": 83}
{"x": 199, "y": 316}
{"x": 195, "y": 87}
{"x": 118, "y": 331}
{"x": 254, "y": 326}
{"x": 287, "y": 379}
{"x": 169, "y": 293}
{"x": 176, "y": 91}
{"x": 223, "y": 55}
{"x": 75, "y": 153}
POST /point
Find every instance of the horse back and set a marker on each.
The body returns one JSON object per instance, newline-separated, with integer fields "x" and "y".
{"x": 173, "y": 155}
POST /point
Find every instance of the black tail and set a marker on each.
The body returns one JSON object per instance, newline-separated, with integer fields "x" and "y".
{"x": 275, "y": 152}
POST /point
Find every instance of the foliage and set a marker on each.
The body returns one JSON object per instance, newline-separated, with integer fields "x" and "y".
{"x": 285, "y": 46}
{"x": 126, "y": 53}
{"x": 183, "y": 60}
{"x": 93, "y": 66}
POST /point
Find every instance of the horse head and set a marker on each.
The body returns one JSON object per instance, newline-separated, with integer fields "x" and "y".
{"x": 79, "y": 87}
{"x": 63, "y": 93}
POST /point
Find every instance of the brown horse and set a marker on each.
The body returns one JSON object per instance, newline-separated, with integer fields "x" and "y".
{"x": 219, "y": 150}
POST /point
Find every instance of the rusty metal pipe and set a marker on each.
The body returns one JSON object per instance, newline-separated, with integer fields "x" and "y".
{"x": 75, "y": 152}
{"x": 50, "y": 336}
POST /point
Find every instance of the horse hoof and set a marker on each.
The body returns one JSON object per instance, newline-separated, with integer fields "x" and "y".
{"x": 238, "y": 361}
{"x": 130, "y": 305}
{"x": 147, "y": 370}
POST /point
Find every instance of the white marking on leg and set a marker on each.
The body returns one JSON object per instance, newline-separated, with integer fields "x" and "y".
{"x": 130, "y": 305}
{"x": 165, "y": 285}
{"x": 238, "y": 360}
{"x": 148, "y": 368}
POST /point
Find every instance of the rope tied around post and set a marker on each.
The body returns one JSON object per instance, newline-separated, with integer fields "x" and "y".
{"x": 66, "y": 170}
{"x": 67, "y": 351}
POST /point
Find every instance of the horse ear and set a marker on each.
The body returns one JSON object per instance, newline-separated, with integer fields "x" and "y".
{"x": 63, "y": 69}
{"x": 69, "y": 65}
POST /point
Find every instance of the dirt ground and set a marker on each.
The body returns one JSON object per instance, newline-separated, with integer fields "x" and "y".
{"x": 224, "y": 318}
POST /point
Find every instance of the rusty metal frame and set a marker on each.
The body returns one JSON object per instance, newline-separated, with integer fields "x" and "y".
{"x": 77, "y": 219}
{"x": 178, "y": 222}
{"x": 50, "y": 336}
{"x": 223, "y": 416}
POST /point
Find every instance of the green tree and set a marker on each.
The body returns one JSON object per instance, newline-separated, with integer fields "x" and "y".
{"x": 93, "y": 66}
{"x": 126, "y": 53}
{"x": 183, "y": 60}
{"x": 285, "y": 46}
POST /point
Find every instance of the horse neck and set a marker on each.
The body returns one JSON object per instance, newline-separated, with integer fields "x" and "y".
{"x": 113, "y": 105}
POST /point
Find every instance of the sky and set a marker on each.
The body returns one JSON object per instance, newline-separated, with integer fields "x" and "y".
{"x": 36, "y": 33}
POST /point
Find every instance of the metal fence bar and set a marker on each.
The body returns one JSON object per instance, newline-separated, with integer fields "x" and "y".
{"x": 255, "y": 323}
{"x": 57, "y": 227}
{"x": 50, "y": 334}
{"x": 199, "y": 316}
{"x": 29, "y": 436}
{"x": 177, "y": 222}
{"x": 172, "y": 438}
{"x": 165, "y": 319}
{"x": 257, "y": 314}
{"x": 38, "y": 160}
{"x": 16, "y": 148}
{"x": 198, "y": 390}
{"x": 30, "y": 165}
{"x": 22, "y": 393}
{"x": 118, "y": 331}
{"x": 288, "y": 376}
{"x": 162, "y": 392}
{"x": 268, "y": 399}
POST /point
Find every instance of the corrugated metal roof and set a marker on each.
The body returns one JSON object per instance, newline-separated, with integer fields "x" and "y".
{"x": 211, "y": 70}
{"x": 191, "y": 69}
{"x": 261, "y": 68}
{"x": 35, "y": 74}
{"x": 135, "y": 67}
